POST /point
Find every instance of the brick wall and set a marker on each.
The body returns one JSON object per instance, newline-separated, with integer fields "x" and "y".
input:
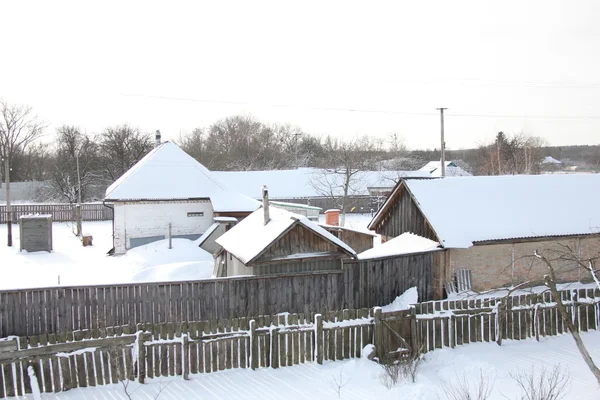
{"x": 149, "y": 219}
{"x": 495, "y": 265}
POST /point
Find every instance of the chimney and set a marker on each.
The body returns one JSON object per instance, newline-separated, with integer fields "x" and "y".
{"x": 157, "y": 142}
{"x": 265, "y": 193}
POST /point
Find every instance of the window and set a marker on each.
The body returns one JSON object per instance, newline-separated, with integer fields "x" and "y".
{"x": 196, "y": 214}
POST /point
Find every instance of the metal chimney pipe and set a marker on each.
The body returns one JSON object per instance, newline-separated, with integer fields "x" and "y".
{"x": 157, "y": 139}
{"x": 265, "y": 196}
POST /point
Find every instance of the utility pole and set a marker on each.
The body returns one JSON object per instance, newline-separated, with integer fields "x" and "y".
{"x": 443, "y": 147}
{"x": 8, "y": 208}
{"x": 78, "y": 207}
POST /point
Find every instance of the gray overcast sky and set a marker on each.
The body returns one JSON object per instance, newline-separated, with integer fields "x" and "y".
{"x": 104, "y": 63}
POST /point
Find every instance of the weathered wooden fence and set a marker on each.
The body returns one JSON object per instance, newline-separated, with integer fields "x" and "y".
{"x": 449, "y": 323}
{"x": 59, "y": 212}
{"x": 104, "y": 356}
{"x": 65, "y": 309}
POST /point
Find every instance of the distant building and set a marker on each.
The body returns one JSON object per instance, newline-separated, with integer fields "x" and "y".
{"x": 169, "y": 188}
{"x": 551, "y": 160}
{"x": 435, "y": 169}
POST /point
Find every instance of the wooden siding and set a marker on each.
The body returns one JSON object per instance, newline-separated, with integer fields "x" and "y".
{"x": 404, "y": 216}
{"x": 324, "y": 264}
{"x": 358, "y": 285}
{"x": 381, "y": 278}
{"x": 59, "y": 212}
{"x": 297, "y": 240}
{"x": 358, "y": 241}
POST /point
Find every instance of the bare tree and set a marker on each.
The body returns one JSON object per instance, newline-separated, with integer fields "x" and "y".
{"x": 547, "y": 385}
{"x": 550, "y": 258}
{"x": 519, "y": 154}
{"x": 464, "y": 387}
{"x": 72, "y": 144}
{"x": 345, "y": 161}
{"x": 19, "y": 128}
{"x": 120, "y": 147}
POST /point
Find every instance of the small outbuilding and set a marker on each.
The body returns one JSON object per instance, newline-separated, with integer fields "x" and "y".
{"x": 274, "y": 241}
{"x": 35, "y": 233}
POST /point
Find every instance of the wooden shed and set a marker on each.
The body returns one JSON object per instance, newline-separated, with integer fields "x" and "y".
{"x": 274, "y": 241}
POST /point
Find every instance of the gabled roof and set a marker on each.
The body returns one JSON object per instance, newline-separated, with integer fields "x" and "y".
{"x": 407, "y": 243}
{"x": 465, "y": 210}
{"x": 435, "y": 169}
{"x": 251, "y": 237}
{"x": 169, "y": 173}
{"x": 301, "y": 182}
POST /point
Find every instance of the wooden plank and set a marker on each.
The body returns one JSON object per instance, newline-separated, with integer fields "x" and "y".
{"x": 213, "y": 347}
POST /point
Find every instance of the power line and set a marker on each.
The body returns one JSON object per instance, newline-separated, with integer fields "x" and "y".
{"x": 366, "y": 111}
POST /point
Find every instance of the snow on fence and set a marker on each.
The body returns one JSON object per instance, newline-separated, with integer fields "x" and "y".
{"x": 57, "y": 363}
{"x": 449, "y": 323}
{"x": 59, "y": 212}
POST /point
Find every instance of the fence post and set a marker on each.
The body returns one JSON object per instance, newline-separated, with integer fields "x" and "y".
{"x": 452, "y": 331}
{"x": 141, "y": 353}
{"x": 378, "y": 337}
{"x": 170, "y": 240}
{"x": 414, "y": 332}
{"x": 253, "y": 345}
{"x": 185, "y": 350}
{"x": 576, "y": 316}
{"x": 274, "y": 347}
{"x": 319, "y": 338}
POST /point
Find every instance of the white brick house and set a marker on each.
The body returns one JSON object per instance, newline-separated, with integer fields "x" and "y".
{"x": 167, "y": 187}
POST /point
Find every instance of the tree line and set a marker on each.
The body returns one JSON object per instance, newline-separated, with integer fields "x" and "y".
{"x": 238, "y": 142}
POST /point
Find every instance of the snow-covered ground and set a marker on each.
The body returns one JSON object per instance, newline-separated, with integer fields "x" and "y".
{"x": 72, "y": 264}
{"x": 361, "y": 379}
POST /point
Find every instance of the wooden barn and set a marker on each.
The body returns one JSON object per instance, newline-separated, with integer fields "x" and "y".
{"x": 274, "y": 241}
{"x": 493, "y": 225}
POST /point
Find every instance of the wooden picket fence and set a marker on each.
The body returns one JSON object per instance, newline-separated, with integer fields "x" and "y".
{"x": 59, "y": 212}
{"x": 58, "y": 363}
{"x": 449, "y": 323}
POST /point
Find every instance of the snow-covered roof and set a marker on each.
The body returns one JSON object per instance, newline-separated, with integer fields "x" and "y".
{"x": 301, "y": 182}
{"x": 463, "y": 210}
{"x": 435, "y": 169}
{"x": 550, "y": 160}
{"x": 251, "y": 236}
{"x": 407, "y": 243}
{"x": 169, "y": 173}
{"x": 200, "y": 241}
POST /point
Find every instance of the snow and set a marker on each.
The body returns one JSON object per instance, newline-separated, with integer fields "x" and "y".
{"x": 363, "y": 377}
{"x": 251, "y": 236}
{"x": 550, "y": 160}
{"x": 206, "y": 234}
{"x": 74, "y": 264}
{"x": 404, "y": 301}
{"x": 502, "y": 292}
{"x": 435, "y": 169}
{"x": 167, "y": 173}
{"x": 463, "y": 210}
{"x": 407, "y": 243}
{"x": 296, "y": 183}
